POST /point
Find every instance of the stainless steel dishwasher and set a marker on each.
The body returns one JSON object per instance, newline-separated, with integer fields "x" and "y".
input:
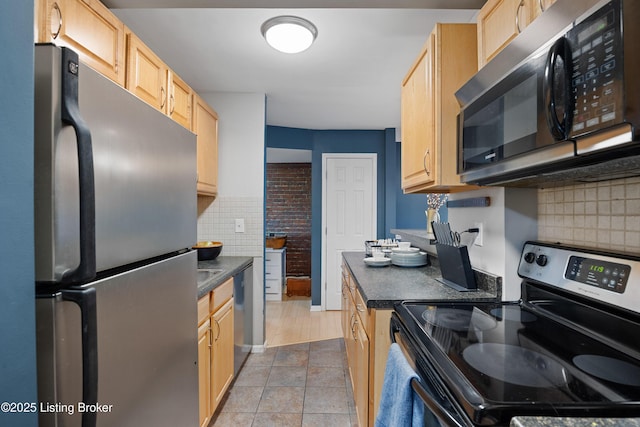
{"x": 243, "y": 316}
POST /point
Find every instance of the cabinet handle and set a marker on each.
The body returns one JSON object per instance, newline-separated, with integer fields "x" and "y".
{"x": 163, "y": 97}
{"x": 359, "y": 308}
{"x": 518, "y": 16}
{"x": 55, "y": 8}
{"x": 172, "y": 104}
{"x": 424, "y": 162}
{"x": 218, "y": 327}
{"x": 210, "y": 336}
{"x": 541, "y": 3}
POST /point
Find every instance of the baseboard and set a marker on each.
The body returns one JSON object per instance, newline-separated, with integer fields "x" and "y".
{"x": 259, "y": 348}
{"x": 316, "y": 307}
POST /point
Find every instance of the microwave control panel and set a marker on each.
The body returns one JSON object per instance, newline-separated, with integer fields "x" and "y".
{"x": 597, "y": 80}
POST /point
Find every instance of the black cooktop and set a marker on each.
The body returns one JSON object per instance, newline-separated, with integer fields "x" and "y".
{"x": 501, "y": 360}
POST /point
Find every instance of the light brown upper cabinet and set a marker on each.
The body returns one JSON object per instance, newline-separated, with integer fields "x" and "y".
{"x": 146, "y": 74}
{"x": 500, "y": 21}
{"x": 87, "y": 27}
{"x": 429, "y": 109}
{"x": 150, "y": 79}
{"x": 180, "y": 100}
{"x": 205, "y": 126}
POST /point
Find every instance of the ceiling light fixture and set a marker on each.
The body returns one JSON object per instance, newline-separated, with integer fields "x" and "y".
{"x": 289, "y": 34}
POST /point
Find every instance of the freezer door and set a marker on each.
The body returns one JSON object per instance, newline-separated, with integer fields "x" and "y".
{"x": 144, "y": 172}
{"x": 146, "y": 349}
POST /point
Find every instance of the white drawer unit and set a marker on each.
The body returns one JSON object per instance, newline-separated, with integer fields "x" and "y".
{"x": 274, "y": 273}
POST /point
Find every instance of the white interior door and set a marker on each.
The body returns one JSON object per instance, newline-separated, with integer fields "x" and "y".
{"x": 349, "y": 215}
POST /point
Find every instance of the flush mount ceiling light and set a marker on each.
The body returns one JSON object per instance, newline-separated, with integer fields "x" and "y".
{"x": 289, "y": 34}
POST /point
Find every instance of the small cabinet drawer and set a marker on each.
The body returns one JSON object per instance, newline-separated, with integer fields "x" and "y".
{"x": 273, "y": 271}
{"x": 221, "y": 294}
{"x": 272, "y": 286}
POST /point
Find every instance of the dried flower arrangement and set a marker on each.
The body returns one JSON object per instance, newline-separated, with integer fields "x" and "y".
{"x": 436, "y": 201}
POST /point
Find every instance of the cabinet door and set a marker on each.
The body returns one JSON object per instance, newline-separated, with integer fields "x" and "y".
{"x": 222, "y": 352}
{"x": 344, "y": 315}
{"x": 361, "y": 374}
{"x": 418, "y": 120}
{"x": 90, "y": 29}
{"x": 146, "y": 74}
{"x": 204, "y": 372}
{"x": 499, "y": 22}
{"x": 430, "y": 110}
{"x": 205, "y": 126}
{"x": 180, "y": 99}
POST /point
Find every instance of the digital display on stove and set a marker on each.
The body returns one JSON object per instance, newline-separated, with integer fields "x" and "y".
{"x": 602, "y": 274}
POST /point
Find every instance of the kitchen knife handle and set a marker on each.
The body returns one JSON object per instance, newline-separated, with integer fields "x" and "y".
{"x": 86, "y": 300}
{"x": 70, "y": 115}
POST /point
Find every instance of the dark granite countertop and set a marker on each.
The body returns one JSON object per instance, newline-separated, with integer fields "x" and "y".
{"x": 573, "y": 422}
{"x": 381, "y": 287}
{"x": 231, "y": 265}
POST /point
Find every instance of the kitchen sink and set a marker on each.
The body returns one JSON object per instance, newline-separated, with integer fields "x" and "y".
{"x": 205, "y": 274}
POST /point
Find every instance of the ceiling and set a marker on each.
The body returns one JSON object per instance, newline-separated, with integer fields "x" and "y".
{"x": 349, "y": 79}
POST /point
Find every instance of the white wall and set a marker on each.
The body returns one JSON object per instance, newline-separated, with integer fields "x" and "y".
{"x": 241, "y": 131}
{"x": 508, "y": 222}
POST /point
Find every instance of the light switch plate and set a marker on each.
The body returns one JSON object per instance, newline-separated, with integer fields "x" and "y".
{"x": 239, "y": 225}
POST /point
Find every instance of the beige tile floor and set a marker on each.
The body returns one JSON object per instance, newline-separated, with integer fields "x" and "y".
{"x": 303, "y": 384}
{"x": 300, "y": 380}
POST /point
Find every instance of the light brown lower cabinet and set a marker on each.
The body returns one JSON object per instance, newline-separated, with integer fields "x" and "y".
{"x": 215, "y": 348}
{"x": 222, "y": 352}
{"x": 204, "y": 371}
{"x": 366, "y": 334}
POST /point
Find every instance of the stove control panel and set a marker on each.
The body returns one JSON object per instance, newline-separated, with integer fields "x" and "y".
{"x": 598, "y": 273}
{"x": 603, "y": 276}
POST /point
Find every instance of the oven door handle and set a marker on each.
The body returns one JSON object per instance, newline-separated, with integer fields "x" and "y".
{"x": 443, "y": 416}
{"x": 436, "y": 409}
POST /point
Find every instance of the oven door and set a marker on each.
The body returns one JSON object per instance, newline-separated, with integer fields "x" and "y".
{"x": 440, "y": 408}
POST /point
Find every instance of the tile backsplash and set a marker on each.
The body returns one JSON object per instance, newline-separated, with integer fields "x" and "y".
{"x": 216, "y": 221}
{"x": 605, "y": 215}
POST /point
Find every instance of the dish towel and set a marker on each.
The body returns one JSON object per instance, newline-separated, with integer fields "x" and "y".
{"x": 400, "y": 406}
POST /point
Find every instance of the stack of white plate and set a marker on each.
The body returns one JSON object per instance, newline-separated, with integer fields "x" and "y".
{"x": 412, "y": 257}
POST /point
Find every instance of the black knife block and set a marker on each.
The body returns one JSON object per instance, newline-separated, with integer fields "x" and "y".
{"x": 455, "y": 267}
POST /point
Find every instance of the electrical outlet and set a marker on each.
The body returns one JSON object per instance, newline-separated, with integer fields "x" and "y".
{"x": 240, "y": 225}
{"x": 480, "y": 236}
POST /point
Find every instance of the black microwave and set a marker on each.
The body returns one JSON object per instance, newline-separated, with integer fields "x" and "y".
{"x": 560, "y": 104}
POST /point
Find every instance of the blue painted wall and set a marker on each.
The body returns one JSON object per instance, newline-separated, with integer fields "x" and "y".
{"x": 330, "y": 141}
{"x": 395, "y": 210}
{"x": 17, "y": 316}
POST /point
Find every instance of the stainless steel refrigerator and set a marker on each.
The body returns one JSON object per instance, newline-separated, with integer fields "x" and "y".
{"x": 115, "y": 208}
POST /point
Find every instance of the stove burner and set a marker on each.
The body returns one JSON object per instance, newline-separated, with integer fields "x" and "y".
{"x": 515, "y": 365}
{"x": 458, "y": 319}
{"x": 513, "y": 313}
{"x": 609, "y": 369}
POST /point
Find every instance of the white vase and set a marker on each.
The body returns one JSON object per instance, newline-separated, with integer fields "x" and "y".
{"x": 432, "y": 215}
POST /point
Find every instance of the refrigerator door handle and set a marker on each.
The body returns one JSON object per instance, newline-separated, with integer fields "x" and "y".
{"x": 86, "y": 300}
{"x": 70, "y": 115}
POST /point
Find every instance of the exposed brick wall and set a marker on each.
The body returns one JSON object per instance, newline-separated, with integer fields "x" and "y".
{"x": 288, "y": 207}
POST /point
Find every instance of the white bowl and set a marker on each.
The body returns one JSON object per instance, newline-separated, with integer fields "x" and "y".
{"x": 404, "y": 245}
{"x": 377, "y": 262}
